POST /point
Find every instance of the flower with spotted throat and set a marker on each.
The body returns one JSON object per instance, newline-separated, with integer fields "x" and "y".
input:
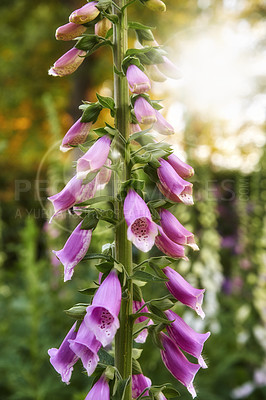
{"x": 102, "y": 314}
{"x": 141, "y": 229}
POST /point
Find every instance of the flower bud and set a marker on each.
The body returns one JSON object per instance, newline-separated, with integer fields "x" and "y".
{"x": 156, "y": 5}
{"x": 102, "y": 27}
{"x": 77, "y": 134}
{"x": 68, "y": 63}
{"x": 85, "y": 14}
{"x": 69, "y": 31}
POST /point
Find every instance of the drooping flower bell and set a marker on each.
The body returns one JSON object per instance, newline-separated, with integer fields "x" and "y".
{"x": 104, "y": 175}
{"x": 184, "y": 170}
{"x": 77, "y": 134}
{"x": 141, "y": 229}
{"x": 102, "y": 27}
{"x": 144, "y": 112}
{"x": 69, "y": 31}
{"x": 172, "y": 185}
{"x": 139, "y": 384}
{"x": 68, "y": 63}
{"x": 102, "y": 315}
{"x": 74, "y": 250}
{"x": 100, "y": 390}
{"x": 64, "y": 358}
{"x": 154, "y": 73}
{"x": 168, "y": 247}
{"x": 185, "y": 337}
{"x": 142, "y": 336}
{"x": 183, "y": 291}
{"x": 74, "y": 192}
{"x": 162, "y": 126}
{"x": 94, "y": 158}
{"x": 138, "y": 82}
{"x": 86, "y": 347}
{"x": 85, "y": 14}
{"x": 176, "y": 231}
{"x": 169, "y": 69}
{"x": 179, "y": 366}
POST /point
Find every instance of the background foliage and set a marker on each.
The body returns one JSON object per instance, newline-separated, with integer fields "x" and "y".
{"x": 228, "y": 217}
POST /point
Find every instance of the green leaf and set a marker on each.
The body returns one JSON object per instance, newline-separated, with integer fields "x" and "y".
{"x": 95, "y": 200}
{"x": 90, "y": 290}
{"x": 167, "y": 389}
{"x": 159, "y": 313}
{"x": 121, "y": 389}
{"x": 138, "y": 25}
{"x": 95, "y": 256}
{"x": 109, "y": 33}
{"x": 163, "y": 305}
{"x": 152, "y": 316}
{"x": 139, "y": 134}
{"x": 87, "y": 42}
{"x": 105, "y": 358}
{"x": 147, "y": 277}
{"x": 90, "y": 176}
{"x": 90, "y": 221}
{"x": 139, "y": 326}
{"x": 137, "y": 293}
{"x": 106, "y": 102}
{"x": 105, "y": 267}
{"x": 136, "y": 353}
{"x": 144, "y": 35}
{"x": 77, "y": 311}
{"x": 110, "y": 372}
{"x": 151, "y": 172}
{"x": 91, "y": 112}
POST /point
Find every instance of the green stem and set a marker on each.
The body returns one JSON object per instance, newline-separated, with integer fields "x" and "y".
{"x": 123, "y": 253}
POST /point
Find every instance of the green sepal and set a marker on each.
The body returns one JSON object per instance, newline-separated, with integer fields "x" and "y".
{"x": 136, "y": 368}
{"x": 137, "y": 293}
{"x": 106, "y": 102}
{"x": 136, "y": 353}
{"x": 159, "y": 313}
{"x": 131, "y": 60}
{"x": 89, "y": 177}
{"x": 137, "y": 135}
{"x": 167, "y": 389}
{"x": 144, "y": 35}
{"x": 105, "y": 267}
{"x": 91, "y": 112}
{"x": 90, "y": 290}
{"x": 154, "y": 331}
{"x": 138, "y": 25}
{"x": 121, "y": 389}
{"x": 139, "y": 326}
{"x": 95, "y": 200}
{"x": 87, "y": 42}
{"x": 112, "y": 17}
{"x": 151, "y": 172}
{"x": 110, "y": 372}
{"x": 147, "y": 277}
{"x": 103, "y": 5}
{"x": 90, "y": 221}
{"x": 105, "y": 358}
{"x": 96, "y": 256}
{"x": 78, "y": 311}
{"x": 156, "y": 104}
{"x": 109, "y": 33}
{"x": 162, "y": 305}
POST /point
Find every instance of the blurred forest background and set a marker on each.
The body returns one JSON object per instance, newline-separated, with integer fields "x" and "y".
{"x": 218, "y": 109}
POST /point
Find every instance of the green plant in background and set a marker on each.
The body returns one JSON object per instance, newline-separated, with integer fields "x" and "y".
{"x": 117, "y": 309}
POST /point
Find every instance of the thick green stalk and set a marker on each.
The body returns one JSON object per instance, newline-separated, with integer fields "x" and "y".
{"x": 123, "y": 342}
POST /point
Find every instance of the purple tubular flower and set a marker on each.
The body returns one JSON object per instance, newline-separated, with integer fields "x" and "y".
{"x": 141, "y": 229}
{"x": 104, "y": 176}
{"x": 94, "y": 158}
{"x": 85, "y": 14}
{"x": 183, "y": 291}
{"x": 144, "y": 112}
{"x": 74, "y": 250}
{"x": 64, "y": 358}
{"x": 102, "y": 315}
{"x": 172, "y": 185}
{"x": 102, "y": 27}
{"x": 100, "y": 390}
{"x": 168, "y": 247}
{"x": 176, "y": 231}
{"x": 141, "y": 338}
{"x": 185, "y": 337}
{"x": 183, "y": 169}
{"x": 134, "y": 128}
{"x": 77, "y": 134}
{"x": 68, "y": 63}
{"x": 162, "y": 126}
{"x": 74, "y": 192}
{"x": 179, "y": 366}
{"x": 86, "y": 347}
{"x": 169, "y": 69}
{"x": 154, "y": 73}
{"x": 138, "y": 82}
{"x": 69, "y": 31}
{"x": 140, "y": 383}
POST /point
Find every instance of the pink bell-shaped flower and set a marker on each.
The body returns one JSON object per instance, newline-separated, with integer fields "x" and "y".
{"x": 102, "y": 314}
{"x": 64, "y": 358}
{"x": 73, "y": 193}
{"x": 169, "y": 69}
{"x": 172, "y": 185}
{"x": 183, "y": 291}
{"x": 102, "y": 27}
{"x": 77, "y": 134}
{"x": 94, "y": 158}
{"x": 68, "y": 63}
{"x": 141, "y": 229}
{"x": 99, "y": 391}
{"x": 142, "y": 336}
{"x": 184, "y": 170}
{"x": 162, "y": 126}
{"x": 104, "y": 175}
{"x": 139, "y": 384}
{"x": 69, "y": 31}
{"x": 185, "y": 337}
{"x": 176, "y": 231}
{"x": 86, "y": 347}
{"x": 179, "y": 366}
{"x": 85, "y": 14}
{"x": 74, "y": 250}
{"x": 168, "y": 247}
{"x": 144, "y": 112}
{"x": 138, "y": 82}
